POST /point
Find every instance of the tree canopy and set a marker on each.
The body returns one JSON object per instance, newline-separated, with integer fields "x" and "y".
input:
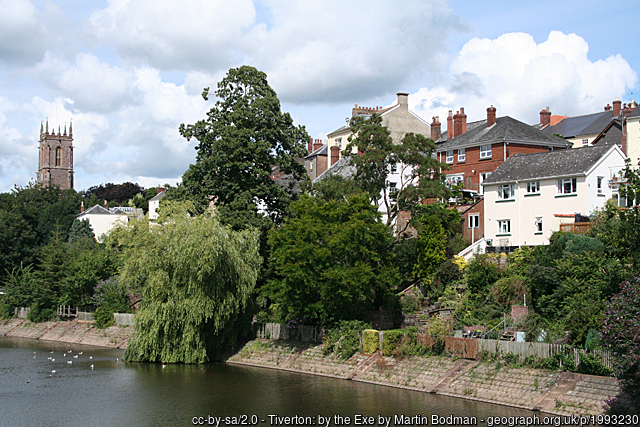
{"x": 330, "y": 261}
{"x": 378, "y": 156}
{"x": 244, "y": 136}
{"x": 198, "y": 276}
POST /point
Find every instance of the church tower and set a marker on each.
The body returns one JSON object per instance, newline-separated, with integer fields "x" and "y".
{"x": 55, "y": 157}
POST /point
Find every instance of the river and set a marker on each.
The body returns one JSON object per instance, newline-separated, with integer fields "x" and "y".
{"x": 115, "y": 393}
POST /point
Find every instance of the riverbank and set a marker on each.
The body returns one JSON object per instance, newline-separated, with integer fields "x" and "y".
{"x": 553, "y": 392}
{"x": 68, "y": 332}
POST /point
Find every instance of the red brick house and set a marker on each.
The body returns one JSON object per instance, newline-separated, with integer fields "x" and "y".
{"x": 473, "y": 151}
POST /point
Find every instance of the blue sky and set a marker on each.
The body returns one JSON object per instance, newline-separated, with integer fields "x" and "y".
{"x": 129, "y": 72}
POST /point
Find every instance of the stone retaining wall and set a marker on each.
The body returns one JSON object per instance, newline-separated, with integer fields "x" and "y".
{"x": 69, "y": 332}
{"x": 555, "y": 392}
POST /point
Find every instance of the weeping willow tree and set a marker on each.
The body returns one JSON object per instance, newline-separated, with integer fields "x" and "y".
{"x": 196, "y": 277}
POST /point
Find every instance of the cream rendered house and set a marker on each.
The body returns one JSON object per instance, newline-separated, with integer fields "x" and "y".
{"x": 397, "y": 118}
{"x": 633, "y": 136}
{"x": 530, "y": 195}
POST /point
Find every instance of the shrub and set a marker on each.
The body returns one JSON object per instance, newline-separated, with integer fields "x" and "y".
{"x": 391, "y": 341}
{"x": 370, "y": 341}
{"x": 410, "y": 304}
{"x": 343, "y": 339}
{"x": 111, "y": 297}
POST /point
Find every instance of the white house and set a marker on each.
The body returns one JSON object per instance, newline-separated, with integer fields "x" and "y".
{"x": 154, "y": 203}
{"x": 530, "y": 195}
{"x": 102, "y": 220}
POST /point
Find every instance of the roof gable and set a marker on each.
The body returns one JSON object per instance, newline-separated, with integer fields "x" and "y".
{"x": 550, "y": 164}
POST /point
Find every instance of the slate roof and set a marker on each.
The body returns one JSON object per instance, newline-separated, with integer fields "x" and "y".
{"x": 157, "y": 197}
{"x": 635, "y": 112}
{"x": 504, "y": 129}
{"x": 322, "y": 151}
{"x": 581, "y": 125}
{"x": 96, "y": 210}
{"x": 470, "y": 126}
{"x": 342, "y": 167}
{"x": 548, "y": 164}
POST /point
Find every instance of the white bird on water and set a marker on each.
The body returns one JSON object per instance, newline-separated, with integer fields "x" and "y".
{"x": 53, "y": 372}
{"x": 90, "y": 357}
{"x": 91, "y": 366}
{"x": 75, "y": 357}
{"x": 70, "y": 362}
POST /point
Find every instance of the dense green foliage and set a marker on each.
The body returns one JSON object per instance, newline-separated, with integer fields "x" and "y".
{"x": 243, "y": 137}
{"x": 198, "y": 278}
{"x": 378, "y": 155}
{"x": 111, "y": 296}
{"x": 344, "y": 339}
{"x": 621, "y": 329}
{"x": 330, "y": 261}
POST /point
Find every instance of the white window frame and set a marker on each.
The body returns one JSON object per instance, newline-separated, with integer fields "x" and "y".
{"x": 599, "y": 181}
{"x": 533, "y": 187}
{"x": 339, "y": 142}
{"x": 392, "y": 187}
{"x": 483, "y": 178}
{"x": 485, "y": 151}
{"x": 461, "y": 155}
{"x": 537, "y": 224}
{"x": 571, "y": 182}
{"x": 474, "y": 221}
{"x": 504, "y": 226}
{"x": 506, "y": 192}
{"x": 449, "y": 158}
{"x": 585, "y": 142}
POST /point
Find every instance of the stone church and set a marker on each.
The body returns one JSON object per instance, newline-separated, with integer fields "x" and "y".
{"x": 55, "y": 157}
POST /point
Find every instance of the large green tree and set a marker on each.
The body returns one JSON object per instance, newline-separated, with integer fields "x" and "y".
{"x": 244, "y": 136}
{"x": 330, "y": 261}
{"x": 378, "y": 156}
{"x": 198, "y": 276}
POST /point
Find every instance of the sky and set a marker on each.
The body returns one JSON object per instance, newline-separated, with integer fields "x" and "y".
{"x": 127, "y": 73}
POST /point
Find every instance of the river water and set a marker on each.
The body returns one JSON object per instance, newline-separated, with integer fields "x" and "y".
{"x": 114, "y": 393}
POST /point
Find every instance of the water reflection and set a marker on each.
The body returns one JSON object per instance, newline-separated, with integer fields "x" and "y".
{"x": 114, "y": 393}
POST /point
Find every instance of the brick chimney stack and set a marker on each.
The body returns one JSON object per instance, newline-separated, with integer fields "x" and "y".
{"x": 491, "y": 116}
{"x": 464, "y": 121}
{"x": 435, "y": 128}
{"x": 545, "y": 117}
{"x": 607, "y": 107}
{"x": 617, "y": 104}
{"x": 160, "y": 190}
{"x": 81, "y": 207}
{"x": 310, "y": 146}
{"x": 317, "y": 143}
{"x": 450, "y": 125}
{"x": 335, "y": 154}
{"x": 457, "y": 124}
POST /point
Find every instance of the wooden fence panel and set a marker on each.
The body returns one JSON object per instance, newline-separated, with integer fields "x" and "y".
{"x": 466, "y": 348}
{"x": 281, "y": 331}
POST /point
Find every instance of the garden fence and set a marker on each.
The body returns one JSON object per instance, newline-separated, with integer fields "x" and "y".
{"x": 286, "y": 332}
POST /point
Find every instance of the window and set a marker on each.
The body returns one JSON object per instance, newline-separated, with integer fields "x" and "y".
{"x": 461, "y": 155}
{"x": 394, "y": 168}
{"x": 392, "y": 187}
{"x": 485, "y": 152}
{"x": 504, "y": 226}
{"x": 538, "y": 225}
{"x": 585, "y": 142}
{"x": 474, "y": 221}
{"x": 533, "y": 187}
{"x": 483, "y": 178}
{"x": 505, "y": 191}
{"x": 600, "y": 179}
{"x": 567, "y": 186}
{"x": 339, "y": 143}
{"x": 58, "y": 156}
{"x": 449, "y": 156}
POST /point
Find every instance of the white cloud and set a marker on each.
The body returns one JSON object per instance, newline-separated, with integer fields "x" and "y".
{"x": 20, "y": 32}
{"x": 174, "y": 34}
{"x": 312, "y": 51}
{"x": 520, "y": 77}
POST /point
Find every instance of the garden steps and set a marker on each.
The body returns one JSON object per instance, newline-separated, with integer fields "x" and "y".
{"x": 364, "y": 365}
{"x": 566, "y": 382}
{"x": 459, "y": 368}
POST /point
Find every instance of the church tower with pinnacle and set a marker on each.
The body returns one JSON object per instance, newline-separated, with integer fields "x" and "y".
{"x": 55, "y": 157}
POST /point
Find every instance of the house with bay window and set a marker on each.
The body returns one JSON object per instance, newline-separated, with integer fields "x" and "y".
{"x": 530, "y": 195}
